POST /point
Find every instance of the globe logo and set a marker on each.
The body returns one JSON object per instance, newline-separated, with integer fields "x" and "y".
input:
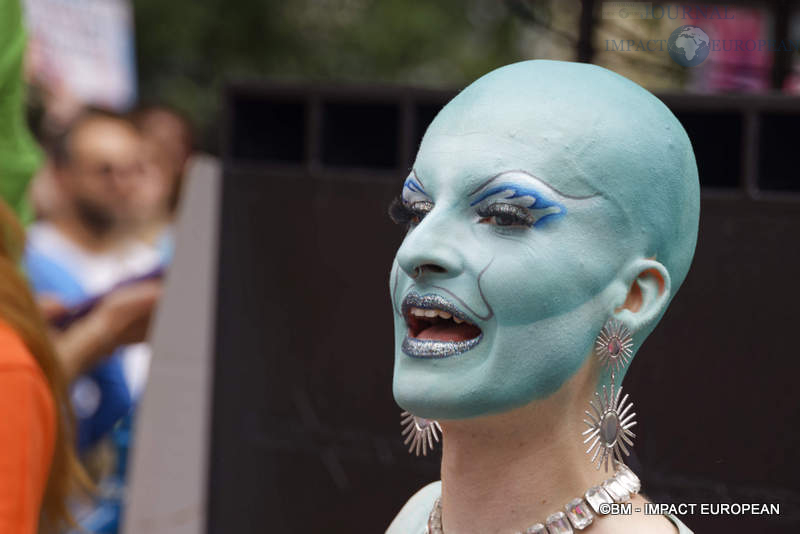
{"x": 688, "y": 46}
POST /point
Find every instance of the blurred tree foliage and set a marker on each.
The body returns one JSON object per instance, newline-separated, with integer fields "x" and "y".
{"x": 187, "y": 49}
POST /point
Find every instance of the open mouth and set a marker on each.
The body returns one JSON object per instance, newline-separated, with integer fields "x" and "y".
{"x": 436, "y": 327}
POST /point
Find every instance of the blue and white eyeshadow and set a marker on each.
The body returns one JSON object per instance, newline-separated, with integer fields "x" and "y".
{"x": 541, "y": 208}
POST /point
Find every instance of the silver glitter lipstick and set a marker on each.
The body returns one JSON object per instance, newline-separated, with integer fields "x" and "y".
{"x": 431, "y": 348}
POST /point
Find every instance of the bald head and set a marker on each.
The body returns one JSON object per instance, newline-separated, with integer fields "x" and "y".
{"x": 584, "y": 130}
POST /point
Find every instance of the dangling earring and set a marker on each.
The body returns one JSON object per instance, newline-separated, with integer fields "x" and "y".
{"x": 421, "y": 433}
{"x": 609, "y": 421}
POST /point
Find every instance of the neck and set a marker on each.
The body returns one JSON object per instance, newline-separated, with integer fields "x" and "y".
{"x": 503, "y": 473}
{"x": 151, "y": 231}
{"x": 83, "y": 236}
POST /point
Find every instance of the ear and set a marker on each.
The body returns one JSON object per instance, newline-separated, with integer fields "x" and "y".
{"x": 648, "y": 294}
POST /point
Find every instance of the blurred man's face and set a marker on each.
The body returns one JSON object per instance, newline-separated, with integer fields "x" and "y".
{"x": 105, "y": 169}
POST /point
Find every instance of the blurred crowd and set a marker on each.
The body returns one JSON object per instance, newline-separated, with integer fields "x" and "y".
{"x": 97, "y": 194}
{"x": 104, "y": 202}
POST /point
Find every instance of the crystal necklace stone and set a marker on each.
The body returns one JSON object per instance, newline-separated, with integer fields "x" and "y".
{"x": 434, "y": 525}
{"x": 557, "y": 524}
{"x": 579, "y": 514}
{"x": 617, "y": 491}
{"x": 596, "y": 497}
{"x": 628, "y": 479}
{"x": 538, "y": 528}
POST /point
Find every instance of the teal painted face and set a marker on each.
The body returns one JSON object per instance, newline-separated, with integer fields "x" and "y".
{"x": 530, "y": 199}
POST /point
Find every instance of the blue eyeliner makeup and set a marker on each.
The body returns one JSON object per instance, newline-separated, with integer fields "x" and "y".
{"x": 538, "y": 206}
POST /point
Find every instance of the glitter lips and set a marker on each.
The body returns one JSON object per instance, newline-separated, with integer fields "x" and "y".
{"x": 436, "y": 327}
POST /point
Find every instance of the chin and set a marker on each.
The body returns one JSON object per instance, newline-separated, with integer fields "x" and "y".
{"x": 425, "y": 396}
{"x": 458, "y": 387}
{"x": 500, "y": 373}
{"x": 438, "y": 366}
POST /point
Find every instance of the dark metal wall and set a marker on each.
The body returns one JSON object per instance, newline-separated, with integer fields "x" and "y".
{"x": 305, "y": 431}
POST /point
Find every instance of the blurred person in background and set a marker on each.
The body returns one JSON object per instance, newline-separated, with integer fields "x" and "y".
{"x": 168, "y": 142}
{"x": 85, "y": 249}
{"x": 38, "y": 467}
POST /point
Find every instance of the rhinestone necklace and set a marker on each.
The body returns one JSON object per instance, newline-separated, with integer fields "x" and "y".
{"x": 578, "y": 514}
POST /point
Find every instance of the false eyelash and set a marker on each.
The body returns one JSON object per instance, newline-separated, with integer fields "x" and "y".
{"x": 400, "y": 213}
{"x": 517, "y": 214}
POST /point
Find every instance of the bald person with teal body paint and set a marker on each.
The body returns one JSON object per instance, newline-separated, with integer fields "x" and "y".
{"x": 549, "y": 202}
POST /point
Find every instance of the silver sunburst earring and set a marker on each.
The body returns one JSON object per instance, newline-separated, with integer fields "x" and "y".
{"x": 609, "y": 421}
{"x": 420, "y": 432}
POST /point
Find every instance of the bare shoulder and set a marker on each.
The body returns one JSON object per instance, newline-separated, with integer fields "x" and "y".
{"x": 682, "y": 529}
{"x": 413, "y": 516}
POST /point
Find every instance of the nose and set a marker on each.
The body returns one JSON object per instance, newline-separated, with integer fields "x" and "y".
{"x": 429, "y": 251}
{"x": 126, "y": 178}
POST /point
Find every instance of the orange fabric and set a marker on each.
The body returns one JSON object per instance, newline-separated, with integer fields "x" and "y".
{"x": 27, "y": 435}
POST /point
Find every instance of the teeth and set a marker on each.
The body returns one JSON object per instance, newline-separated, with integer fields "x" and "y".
{"x": 431, "y": 313}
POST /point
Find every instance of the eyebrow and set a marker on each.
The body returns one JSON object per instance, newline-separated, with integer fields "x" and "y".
{"x": 496, "y": 176}
{"x": 414, "y": 184}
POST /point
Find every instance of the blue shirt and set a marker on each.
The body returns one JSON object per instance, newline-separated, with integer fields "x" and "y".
{"x": 100, "y": 397}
